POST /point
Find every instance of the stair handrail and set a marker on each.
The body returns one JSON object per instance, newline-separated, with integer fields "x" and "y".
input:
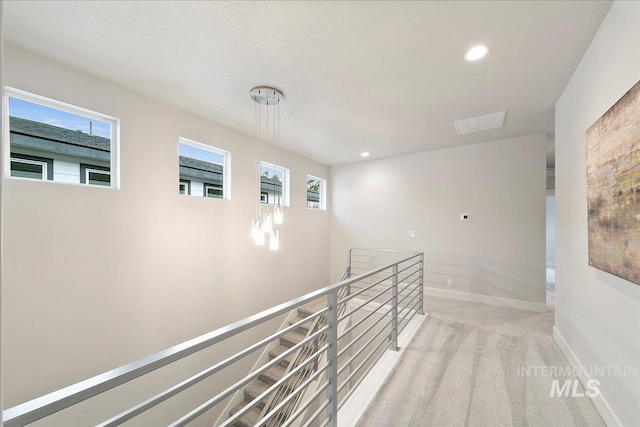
{"x": 51, "y": 403}
{"x": 302, "y": 354}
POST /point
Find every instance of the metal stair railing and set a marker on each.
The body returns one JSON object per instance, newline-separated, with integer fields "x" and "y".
{"x": 383, "y": 294}
{"x": 297, "y": 382}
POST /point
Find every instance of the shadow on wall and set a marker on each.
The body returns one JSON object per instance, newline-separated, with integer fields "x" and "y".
{"x": 483, "y": 277}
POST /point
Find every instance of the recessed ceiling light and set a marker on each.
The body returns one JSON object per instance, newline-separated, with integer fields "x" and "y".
{"x": 365, "y": 154}
{"x": 476, "y": 53}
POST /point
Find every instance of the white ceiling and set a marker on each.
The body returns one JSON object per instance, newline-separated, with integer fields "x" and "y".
{"x": 383, "y": 77}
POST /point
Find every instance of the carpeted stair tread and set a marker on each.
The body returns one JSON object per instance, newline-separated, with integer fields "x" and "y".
{"x": 255, "y": 389}
{"x": 304, "y": 328}
{"x": 273, "y": 374}
{"x": 306, "y": 311}
{"x": 277, "y": 351}
{"x": 291, "y": 338}
{"x": 247, "y": 420}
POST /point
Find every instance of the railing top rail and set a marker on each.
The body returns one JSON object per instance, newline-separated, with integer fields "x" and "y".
{"x": 386, "y": 250}
{"x": 48, "y": 404}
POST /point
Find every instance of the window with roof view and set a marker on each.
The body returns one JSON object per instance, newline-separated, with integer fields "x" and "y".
{"x": 53, "y": 141}
{"x": 204, "y": 170}
{"x": 274, "y": 184}
{"x": 316, "y": 193}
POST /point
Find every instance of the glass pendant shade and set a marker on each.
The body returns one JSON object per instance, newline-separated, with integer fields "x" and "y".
{"x": 278, "y": 215}
{"x": 255, "y": 228}
{"x": 274, "y": 240}
{"x": 267, "y": 223}
{"x": 260, "y": 239}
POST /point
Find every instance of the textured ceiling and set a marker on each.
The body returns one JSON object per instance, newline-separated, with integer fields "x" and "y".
{"x": 385, "y": 77}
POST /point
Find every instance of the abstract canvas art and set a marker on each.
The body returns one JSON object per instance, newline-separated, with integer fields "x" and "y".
{"x": 613, "y": 188}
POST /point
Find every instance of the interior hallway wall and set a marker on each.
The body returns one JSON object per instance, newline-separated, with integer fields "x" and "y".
{"x": 95, "y": 278}
{"x": 500, "y": 252}
{"x": 597, "y": 314}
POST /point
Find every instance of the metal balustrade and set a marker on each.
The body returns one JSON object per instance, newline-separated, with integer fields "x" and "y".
{"x": 349, "y": 325}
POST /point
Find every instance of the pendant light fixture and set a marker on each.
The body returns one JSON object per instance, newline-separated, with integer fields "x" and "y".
{"x": 267, "y": 127}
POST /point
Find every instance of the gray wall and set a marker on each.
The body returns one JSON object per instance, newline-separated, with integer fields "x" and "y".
{"x": 500, "y": 252}
{"x": 95, "y": 278}
{"x": 597, "y": 314}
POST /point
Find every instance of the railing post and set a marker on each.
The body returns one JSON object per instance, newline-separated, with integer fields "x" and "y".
{"x": 421, "y": 284}
{"x": 394, "y": 309}
{"x": 332, "y": 358}
{"x": 349, "y": 271}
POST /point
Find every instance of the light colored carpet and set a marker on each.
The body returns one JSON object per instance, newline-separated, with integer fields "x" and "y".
{"x": 462, "y": 369}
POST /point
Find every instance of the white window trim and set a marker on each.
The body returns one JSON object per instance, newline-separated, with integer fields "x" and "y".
{"x": 30, "y": 162}
{"x": 10, "y": 92}
{"x": 286, "y": 185}
{"x": 98, "y": 171}
{"x": 323, "y": 193}
{"x": 226, "y": 164}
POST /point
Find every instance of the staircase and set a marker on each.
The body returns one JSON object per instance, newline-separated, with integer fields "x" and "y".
{"x": 277, "y": 372}
{"x": 305, "y": 370}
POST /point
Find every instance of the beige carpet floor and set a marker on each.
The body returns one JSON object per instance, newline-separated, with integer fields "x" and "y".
{"x": 464, "y": 368}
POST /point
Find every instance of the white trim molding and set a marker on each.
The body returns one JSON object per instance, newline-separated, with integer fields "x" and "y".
{"x": 538, "y": 307}
{"x": 600, "y": 402}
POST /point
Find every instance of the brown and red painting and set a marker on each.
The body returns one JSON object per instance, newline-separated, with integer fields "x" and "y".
{"x": 613, "y": 188}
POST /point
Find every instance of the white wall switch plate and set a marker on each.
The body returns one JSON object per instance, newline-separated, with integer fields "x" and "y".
{"x": 412, "y": 234}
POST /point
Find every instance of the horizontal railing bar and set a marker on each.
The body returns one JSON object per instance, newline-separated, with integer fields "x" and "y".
{"x": 43, "y": 406}
{"x": 321, "y": 389}
{"x": 413, "y": 308}
{"x": 408, "y": 290}
{"x": 346, "y": 380}
{"x": 353, "y": 356}
{"x": 400, "y": 290}
{"x": 417, "y": 288}
{"x": 408, "y": 275}
{"x": 293, "y": 393}
{"x": 406, "y": 307}
{"x": 406, "y": 268}
{"x": 315, "y": 414}
{"x": 302, "y": 354}
{"x": 353, "y": 295}
{"x": 161, "y": 397}
{"x": 386, "y": 250}
{"x": 362, "y": 377}
{"x": 255, "y": 374}
{"x": 349, "y": 313}
{"x": 51, "y": 403}
{"x": 206, "y": 406}
{"x": 352, "y": 327}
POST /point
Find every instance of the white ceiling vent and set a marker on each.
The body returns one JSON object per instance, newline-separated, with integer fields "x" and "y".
{"x": 477, "y": 124}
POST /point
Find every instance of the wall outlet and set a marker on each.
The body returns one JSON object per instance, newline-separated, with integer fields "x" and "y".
{"x": 450, "y": 283}
{"x": 412, "y": 234}
{"x": 465, "y": 217}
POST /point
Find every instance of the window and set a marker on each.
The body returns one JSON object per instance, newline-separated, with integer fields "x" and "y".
{"x": 316, "y": 193}
{"x": 49, "y": 140}
{"x": 95, "y": 175}
{"x": 31, "y": 167}
{"x": 274, "y": 184}
{"x": 204, "y": 170}
{"x": 212, "y": 190}
{"x": 185, "y": 186}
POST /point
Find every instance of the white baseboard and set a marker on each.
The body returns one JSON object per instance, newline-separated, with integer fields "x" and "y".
{"x": 600, "y": 402}
{"x": 486, "y": 299}
{"x": 358, "y": 402}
